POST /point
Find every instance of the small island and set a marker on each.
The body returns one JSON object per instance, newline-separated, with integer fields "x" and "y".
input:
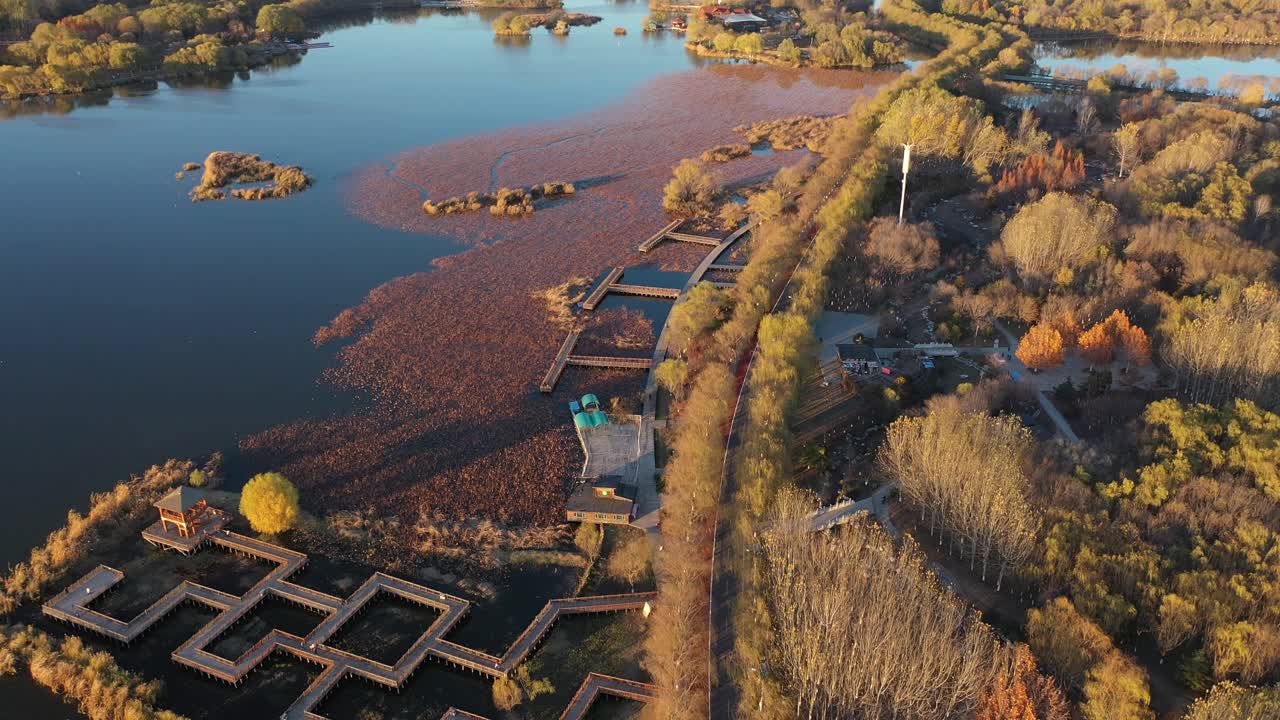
{"x": 223, "y": 169}
{"x": 503, "y": 202}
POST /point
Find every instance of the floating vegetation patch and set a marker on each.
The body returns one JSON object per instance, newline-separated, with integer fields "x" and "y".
{"x": 504, "y": 202}
{"x": 792, "y": 133}
{"x": 223, "y": 169}
{"x": 725, "y": 153}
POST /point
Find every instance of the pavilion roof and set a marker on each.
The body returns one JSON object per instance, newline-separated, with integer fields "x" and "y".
{"x": 180, "y": 499}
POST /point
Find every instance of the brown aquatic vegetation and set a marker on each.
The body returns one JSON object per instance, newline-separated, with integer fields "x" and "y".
{"x": 451, "y": 358}
{"x": 804, "y": 131}
{"x": 503, "y": 202}
{"x": 223, "y": 168}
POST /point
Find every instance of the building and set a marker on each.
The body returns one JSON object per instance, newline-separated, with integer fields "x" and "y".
{"x": 606, "y": 500}
{"x": 858, "y": 358}
{"x": 743, "y": 22}
{"x": 185, "y": 509}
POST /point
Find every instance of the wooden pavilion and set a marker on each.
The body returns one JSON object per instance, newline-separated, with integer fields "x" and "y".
{"x": 185, "y": 509}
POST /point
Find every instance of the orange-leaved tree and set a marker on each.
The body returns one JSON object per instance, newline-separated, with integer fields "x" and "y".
{"x": 1022, "y": 693}
{"x": 1097, "y": 344}
{"x": 1041, "y": 347}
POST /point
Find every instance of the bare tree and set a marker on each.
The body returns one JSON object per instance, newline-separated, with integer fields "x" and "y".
{"x": 965, "y": 474}
{"x": 863, "y": 630}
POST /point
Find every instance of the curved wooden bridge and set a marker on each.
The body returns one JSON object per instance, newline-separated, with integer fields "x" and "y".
{"x": 72, "y": 606}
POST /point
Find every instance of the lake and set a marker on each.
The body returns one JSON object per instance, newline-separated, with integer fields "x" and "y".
{"x": 140, "y": 326}
{"x": 1218, "y": 67}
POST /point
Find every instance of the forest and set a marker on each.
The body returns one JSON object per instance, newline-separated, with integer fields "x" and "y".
{"x": 1124, "y": 242}
{"x": 1214, "y": 21}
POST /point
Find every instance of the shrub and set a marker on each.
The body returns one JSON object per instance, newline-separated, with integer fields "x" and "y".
{"x": 588, "y": 537}
{"x": 691, "y": 191}
{"x": 748, "y": 44}
{"x": 198, "y": 478}
{"x": 507, "y": 694}
{"x": 270, "y": 502}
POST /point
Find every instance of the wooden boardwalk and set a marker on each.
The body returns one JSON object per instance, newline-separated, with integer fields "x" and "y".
{"x": 626, "y": 363}
{"x": 721, "y": 267}
{"x": 695, "y": 239}
{"x": 592, "y": 688}
{"x": 659, "y": 236}
{"x": 646, "y": 291}
{"x": 565, "y": 358}
{"x": 72, "y": 606}
{"x": 597, "y": 295}
{"x": 557, "y": 366}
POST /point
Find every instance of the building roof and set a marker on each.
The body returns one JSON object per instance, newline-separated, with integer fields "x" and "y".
{"x": 584, "y": 499}
{"x": 735, "y": 18}
{"x": 180, "y": 499}
{"x": 590, "y": 419}
{"x": 857, "y": 351}
{"x": 609, "y": 481}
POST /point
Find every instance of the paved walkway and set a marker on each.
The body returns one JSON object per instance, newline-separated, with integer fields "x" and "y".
{"x": 72, "y": 606}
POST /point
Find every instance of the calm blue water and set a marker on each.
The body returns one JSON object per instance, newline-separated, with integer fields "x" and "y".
{"x": 1218, "y": 66}
{"x": 139, "y": 326}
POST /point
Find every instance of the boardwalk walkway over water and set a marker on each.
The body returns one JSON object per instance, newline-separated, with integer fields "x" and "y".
{"x": 720, "y": 267}
{"x": 593, "y": 687}
{"x": 72, "y": 606}
{"x": 565, "y": 358}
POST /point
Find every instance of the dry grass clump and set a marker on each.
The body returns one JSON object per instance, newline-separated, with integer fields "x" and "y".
{"x": 223, "y": 168}
{"x": 117, "y": 510}
{"x": 792, "y": 133}
{"x": 504, "y": 202}
{"x": 101, "y": 688}
{"x": 561, "y": 298}
{"x": 725, "y": 153}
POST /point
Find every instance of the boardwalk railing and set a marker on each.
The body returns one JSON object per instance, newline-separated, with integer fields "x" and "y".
{"x": 71, "y": 606}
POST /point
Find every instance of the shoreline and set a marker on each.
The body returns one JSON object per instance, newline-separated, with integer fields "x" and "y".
{"x": 415, "y": 346}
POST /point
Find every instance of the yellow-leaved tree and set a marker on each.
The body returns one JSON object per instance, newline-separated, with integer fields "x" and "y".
{"x": 270, "y": 502}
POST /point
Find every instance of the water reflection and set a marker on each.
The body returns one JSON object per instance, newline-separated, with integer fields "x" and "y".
{"x": 1205, "y": 68}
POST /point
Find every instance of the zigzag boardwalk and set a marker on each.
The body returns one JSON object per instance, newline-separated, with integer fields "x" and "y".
{"x": 71, "y": 606}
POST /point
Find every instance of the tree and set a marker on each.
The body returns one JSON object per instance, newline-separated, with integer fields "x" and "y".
{"x": 692, "y": 190}
{"x": 1117, "y": 690}
{"x": 1097, "y": 344}
{"x": 766, "y": 205}
{"x": 279, "y": 20}
{"x": 1068, "y": 643}
{"x": 630, "y": 560}
{"x": 965, "y": 473}
{"x": 1228, "y": 701}
{"x": 1124, "y": 143}
{"x": 788, "y": 52}
{"x": 198, "y": 479}
{"x": 672, "y": 374}
{"x": 588, "y": 537}
{"x": 506, "y": 694}
{"x": 1059, "y": 230}
{"x": 270, "y": 503}
{"x": 861, "y": 629}
{"x": 902, "y": 249}
{"x": 725, "y": 41}
{"x": 1042, "y": 347}
{"x": 700, "y": 311}
{"x": 748, "y": 44}
{"x": 1022, "y": 693}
